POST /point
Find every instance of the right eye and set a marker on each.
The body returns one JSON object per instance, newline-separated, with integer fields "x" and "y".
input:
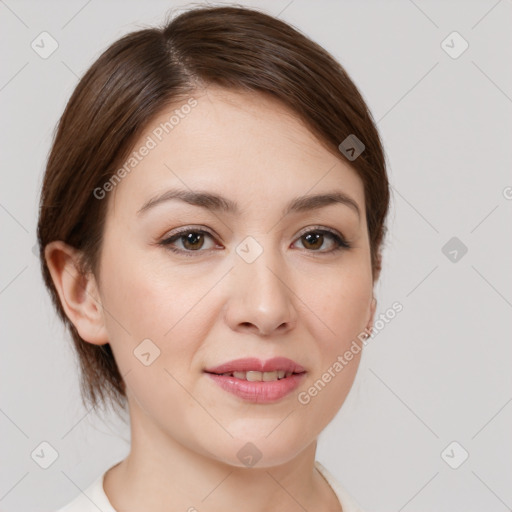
{"x": 192, "y": 240}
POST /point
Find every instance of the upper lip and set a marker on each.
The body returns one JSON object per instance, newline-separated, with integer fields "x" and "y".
{"x": 254, "y": 364}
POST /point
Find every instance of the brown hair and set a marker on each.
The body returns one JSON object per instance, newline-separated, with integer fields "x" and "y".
{"x": 144, "y": 72}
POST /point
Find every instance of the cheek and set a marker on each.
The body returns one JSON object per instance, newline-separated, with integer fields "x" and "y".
{"x": 341, "y": 311}
{"x": 144, "y": 301}
{"x": 339, "y": 301}
{"x": 148, "y": 298}
{"x": 154, "y": 330}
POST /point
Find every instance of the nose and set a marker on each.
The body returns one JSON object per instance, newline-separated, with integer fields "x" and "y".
{"x": 261, "y": 298}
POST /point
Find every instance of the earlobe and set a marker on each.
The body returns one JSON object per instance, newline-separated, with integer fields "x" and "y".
{"x": 78, "y": 293}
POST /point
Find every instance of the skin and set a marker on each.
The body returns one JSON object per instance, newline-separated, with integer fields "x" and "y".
{"x": 295, "y": 300}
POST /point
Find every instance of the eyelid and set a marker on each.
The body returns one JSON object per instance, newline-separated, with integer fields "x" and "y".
{"x": 319, "y": 228}
{"x": 188, "y": 229}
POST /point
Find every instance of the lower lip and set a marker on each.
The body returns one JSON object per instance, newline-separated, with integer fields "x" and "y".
{"x": 260, "y": 391}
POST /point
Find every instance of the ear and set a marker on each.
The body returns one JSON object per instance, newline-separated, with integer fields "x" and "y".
{"x": 373, "y": 308}
{"x": 78, "y": 293}
{"x": 378, "y": 267}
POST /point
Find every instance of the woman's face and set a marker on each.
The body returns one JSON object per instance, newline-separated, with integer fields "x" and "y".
{"x": 260, "y": 281}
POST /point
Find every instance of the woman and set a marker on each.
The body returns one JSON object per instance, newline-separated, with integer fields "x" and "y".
{"x": 211, "y": 221}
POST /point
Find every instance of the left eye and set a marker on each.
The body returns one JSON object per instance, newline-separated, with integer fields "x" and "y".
{"x": 194, "y": 240}
{"x": 317, "y": 237}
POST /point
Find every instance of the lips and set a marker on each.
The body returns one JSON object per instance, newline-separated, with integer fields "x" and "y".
{"x": 258, "y": 381}
{"x": 248, "y": 365}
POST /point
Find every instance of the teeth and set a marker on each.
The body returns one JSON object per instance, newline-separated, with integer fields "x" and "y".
{"x": 253, "y": 376}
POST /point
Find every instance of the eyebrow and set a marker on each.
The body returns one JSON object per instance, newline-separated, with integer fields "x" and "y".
{"x": 216, "y": 202}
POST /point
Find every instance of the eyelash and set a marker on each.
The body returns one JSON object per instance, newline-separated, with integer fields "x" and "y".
{"x": 341, "y": 243}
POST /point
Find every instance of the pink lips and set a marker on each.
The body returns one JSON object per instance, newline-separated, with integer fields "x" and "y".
{"x": 257, "y": 365}
{"x": 259, "y": 391}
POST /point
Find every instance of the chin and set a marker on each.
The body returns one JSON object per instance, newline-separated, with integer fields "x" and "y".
{"x": 258, "y": 448}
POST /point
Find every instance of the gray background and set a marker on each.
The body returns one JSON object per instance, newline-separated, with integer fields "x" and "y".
{"x": 439, "y": 372}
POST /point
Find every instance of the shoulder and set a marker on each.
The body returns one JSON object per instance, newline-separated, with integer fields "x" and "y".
{"x": 346, "y": 501}
{"x": 92, "y": 499}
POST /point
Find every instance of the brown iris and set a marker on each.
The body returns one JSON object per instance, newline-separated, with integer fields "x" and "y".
{"x": 193, "y": 240}
{"x": 313, "y": 239}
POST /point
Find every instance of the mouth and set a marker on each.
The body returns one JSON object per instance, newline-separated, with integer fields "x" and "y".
{"x": 255, "y": 376}
{"x": 258, "y": 381}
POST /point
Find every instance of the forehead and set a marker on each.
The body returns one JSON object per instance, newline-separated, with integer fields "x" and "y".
{"x": 247, "y": 146}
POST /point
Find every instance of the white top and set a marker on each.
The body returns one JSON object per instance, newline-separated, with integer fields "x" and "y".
{"x": 94, "y": 497}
